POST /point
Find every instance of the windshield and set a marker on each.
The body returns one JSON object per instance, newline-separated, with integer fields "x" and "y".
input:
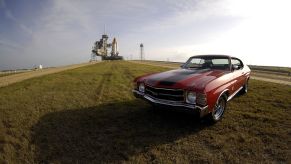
{"x": 208, "y": 62}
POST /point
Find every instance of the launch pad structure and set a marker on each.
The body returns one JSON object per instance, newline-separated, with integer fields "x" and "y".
{"x": 101, "y": 47}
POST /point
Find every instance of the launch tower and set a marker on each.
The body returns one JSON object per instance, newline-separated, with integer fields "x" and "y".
{"x": 101, "y": 47}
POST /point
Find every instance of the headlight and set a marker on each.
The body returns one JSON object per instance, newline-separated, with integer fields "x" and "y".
{"x": 141, "y": 87}
{"x": 191, "y": 97}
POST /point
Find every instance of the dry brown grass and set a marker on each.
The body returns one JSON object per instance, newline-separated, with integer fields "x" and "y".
{"x": 6, "y": 79}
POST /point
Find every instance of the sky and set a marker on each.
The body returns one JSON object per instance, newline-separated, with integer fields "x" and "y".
{"x": 62, "y": 32}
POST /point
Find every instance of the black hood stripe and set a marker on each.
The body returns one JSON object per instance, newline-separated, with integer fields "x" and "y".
{"x": 178, "y": 76}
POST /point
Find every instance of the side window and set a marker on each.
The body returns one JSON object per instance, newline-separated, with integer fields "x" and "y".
{"x": 222, "y": 64}
{"x": 236, "y": 62}
{"x": 196, "y": 62}
{"x": 220, "y": 61}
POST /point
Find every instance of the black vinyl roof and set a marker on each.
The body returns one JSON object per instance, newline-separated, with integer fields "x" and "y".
{"x": 213, "y": 56}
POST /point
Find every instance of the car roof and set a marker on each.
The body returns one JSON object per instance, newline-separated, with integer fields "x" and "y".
{"x": 212, "y": 55}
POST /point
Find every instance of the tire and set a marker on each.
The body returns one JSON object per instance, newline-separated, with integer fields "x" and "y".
{"x": 219, "y": 109}
{"x": 245, "y": 87}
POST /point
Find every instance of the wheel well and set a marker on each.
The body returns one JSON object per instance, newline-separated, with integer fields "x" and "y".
{"x": 224, "y": 93}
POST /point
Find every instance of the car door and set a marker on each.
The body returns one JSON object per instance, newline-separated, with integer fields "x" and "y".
{"x": 238, "y": 74}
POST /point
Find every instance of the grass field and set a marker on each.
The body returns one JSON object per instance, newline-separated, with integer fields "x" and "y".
{"x": 88, "y": 115}
{"x": 28, "y": 74}
{"x": 8, "y": 74}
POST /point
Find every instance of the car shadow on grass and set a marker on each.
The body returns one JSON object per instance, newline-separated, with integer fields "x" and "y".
{"x": 108, "y": 133}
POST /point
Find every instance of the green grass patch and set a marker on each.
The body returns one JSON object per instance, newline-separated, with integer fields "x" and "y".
{"x": 89, "y": 114}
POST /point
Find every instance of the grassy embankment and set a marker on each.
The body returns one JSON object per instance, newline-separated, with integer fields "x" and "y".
{"x": 8, "y": 74}
{"x": 89, "y": 115}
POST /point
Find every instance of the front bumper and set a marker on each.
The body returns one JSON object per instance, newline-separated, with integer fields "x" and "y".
{"x": 192, "y": 107}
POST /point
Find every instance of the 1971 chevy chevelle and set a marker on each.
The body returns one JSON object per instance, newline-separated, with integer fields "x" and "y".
{"x": 203, "y": 84}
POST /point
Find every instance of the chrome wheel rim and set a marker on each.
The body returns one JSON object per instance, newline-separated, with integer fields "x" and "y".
{"x": 219, "y": 109}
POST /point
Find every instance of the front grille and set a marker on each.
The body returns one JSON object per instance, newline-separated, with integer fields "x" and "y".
{"x": 165, "y": 93}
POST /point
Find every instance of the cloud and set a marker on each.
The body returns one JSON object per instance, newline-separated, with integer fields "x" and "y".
{"x": 2, "y": 4}
{"x": 11, "y": 17}
{"x": 65, "y": 30}
{"x": 9, "y": 45}
{"x": 184, "y": 13}
{"x": 63, "y": 16}
{"x": 92, "y": 15}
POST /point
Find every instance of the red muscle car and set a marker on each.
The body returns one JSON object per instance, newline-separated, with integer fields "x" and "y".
{"x": 204, "y": 84}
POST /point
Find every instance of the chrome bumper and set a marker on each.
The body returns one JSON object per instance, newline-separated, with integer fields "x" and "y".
{"x": 203, "y": 110}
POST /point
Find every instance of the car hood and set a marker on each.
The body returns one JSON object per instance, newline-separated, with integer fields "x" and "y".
{"x": 183, "y": 78}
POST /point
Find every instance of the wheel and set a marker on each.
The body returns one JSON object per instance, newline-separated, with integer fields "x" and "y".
{"x": 245, "y": 87}
{"x": 219, "y": 109}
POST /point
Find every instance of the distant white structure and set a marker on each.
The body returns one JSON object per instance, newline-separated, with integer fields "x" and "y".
{"x": 114, "y": 51}
{"x": 37, "y": 67}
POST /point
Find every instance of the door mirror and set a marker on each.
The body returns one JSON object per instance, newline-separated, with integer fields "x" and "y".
{"x": 182, "y": 65}
{"x": 235, "y": 67}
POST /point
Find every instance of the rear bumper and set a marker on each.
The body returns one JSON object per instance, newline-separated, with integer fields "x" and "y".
{"x": 181, "y": 105}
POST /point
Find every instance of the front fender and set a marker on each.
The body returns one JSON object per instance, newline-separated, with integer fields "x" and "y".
{"x": 214, "y": 94}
